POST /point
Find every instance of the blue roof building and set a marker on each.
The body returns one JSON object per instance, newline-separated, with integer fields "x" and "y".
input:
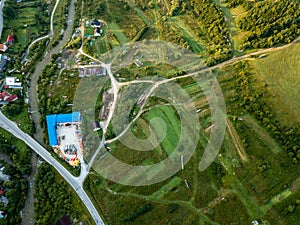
{"x": 53, "y": 120}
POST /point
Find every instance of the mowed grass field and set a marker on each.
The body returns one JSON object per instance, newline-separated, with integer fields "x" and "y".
{"x": 142, "y": 129}
{"x": 280, "y": 71}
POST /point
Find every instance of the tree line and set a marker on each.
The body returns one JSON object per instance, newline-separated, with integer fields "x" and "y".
{"x": 53, "y": 197}
{"x": 211, "y": 27}
{"x": 268, "y": 23}
{"x": 252, "y": 101}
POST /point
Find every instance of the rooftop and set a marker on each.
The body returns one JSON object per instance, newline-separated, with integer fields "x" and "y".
{"x": 12, "y": 81}
{"x": 53, "y": 120}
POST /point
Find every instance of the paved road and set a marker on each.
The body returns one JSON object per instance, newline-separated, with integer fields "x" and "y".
{"x": 41, "y": 38}
{"x": 28, "y": 210}
{"x": 75, "y": 182}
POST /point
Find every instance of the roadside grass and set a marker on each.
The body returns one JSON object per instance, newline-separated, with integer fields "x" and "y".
{"x": 20, "y": 145}
{"x": 285, "y": 209}
{"x": 268, "y": 171}
{"x": 279, "y": 73}
{"x": 101, "y": 46}
{"x": 234, "y": 15}
{"x": 106, "y": 43}
{"x": 124, "y": 18}
{"x": 173, "y": 183}
{"x": 168, "y": 144}
{"x": 89, "y": 31}
{"x": 23, "y": 121}
{"x": 69, "y": 80}
{"x": 251, "y": 185}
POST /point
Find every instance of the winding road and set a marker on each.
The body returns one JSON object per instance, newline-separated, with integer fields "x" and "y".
{"x": 44, "y": 37}
{"x": 10, "y": 126}
{"x": 75, "y": 182}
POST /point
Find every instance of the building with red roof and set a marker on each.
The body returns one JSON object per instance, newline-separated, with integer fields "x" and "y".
{"x": 10, "y": 39}
{"x": 6, "y": 97}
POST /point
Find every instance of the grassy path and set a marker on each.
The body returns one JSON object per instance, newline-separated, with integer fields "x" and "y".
{"x": 283, "y": 195}
{"x": 237, "y": 141}
{"x": 187, "y": 33}
{"x": 232, "y": 30}
{"x": 185, "y": 204}
{"x": 270, "y": 142}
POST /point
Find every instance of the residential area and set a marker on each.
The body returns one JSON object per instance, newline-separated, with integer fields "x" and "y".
{"x": 9, "y": 85}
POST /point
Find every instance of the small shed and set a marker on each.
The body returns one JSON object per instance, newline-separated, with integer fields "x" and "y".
{"x": 96, "y": 126}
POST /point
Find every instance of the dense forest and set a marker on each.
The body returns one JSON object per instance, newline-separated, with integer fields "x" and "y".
{"x": 17, "y": 166}
{"x": 54, "y": 197}
{"x": 15, "y": 191}
{"x": 268, "y": 22}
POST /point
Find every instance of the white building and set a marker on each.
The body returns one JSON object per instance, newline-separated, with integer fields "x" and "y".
{"x": 13, "y": 82}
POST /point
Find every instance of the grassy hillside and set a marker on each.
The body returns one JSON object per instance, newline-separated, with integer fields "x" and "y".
{"x": 279, "y": 72}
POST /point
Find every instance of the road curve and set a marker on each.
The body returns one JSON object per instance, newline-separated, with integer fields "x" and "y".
{"x": 75, "y": 182}
{"x": 40, "y": 38}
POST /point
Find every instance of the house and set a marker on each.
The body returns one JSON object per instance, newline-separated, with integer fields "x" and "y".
{"x": 5, "y": 97}
{"x": 87, "y": 24}
{"x": 96, "y": 126}
{"x": 100, "y": 72}
{"x": 97, "y": 32}
{"x": 4, "y": 200}
{"x": 138, "y": 63}
{"x": 2, "y": 214}
{"x": 96, "y": 24}
{"x": 3, "y": 47}
{"x": 81, "y": 72}
{"x": 3, "y": 61}
{"x": 12, "y": 98}
{"x": 10, "y": 39}
{"x": 88, "y": 72}
{"x": 13, "y": 82}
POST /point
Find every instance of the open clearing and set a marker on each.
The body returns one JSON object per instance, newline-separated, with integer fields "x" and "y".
{"x": 280, "y": 72}
{"x": 270, "y": 142}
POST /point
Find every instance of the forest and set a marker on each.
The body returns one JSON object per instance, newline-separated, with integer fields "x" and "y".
{"x": 17, "y": 167}
{"x": 268, "y": 23}
{"x": 54, "y": 198}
